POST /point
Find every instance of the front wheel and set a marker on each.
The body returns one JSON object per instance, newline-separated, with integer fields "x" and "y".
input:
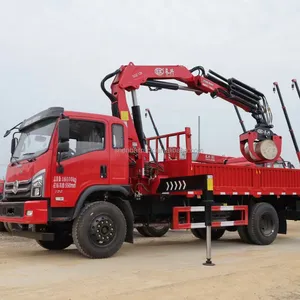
{"x": 200, "y": 233}
{"x": 100, "y": 230}
{"x": 59, "y": 243}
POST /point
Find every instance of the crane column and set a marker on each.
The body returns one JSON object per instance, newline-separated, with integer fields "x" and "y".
{"x": 137, "y": 119}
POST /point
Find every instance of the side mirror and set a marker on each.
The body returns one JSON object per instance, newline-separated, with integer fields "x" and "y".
{"x": 63, "y": 147}
{"x": 14, "y": 143}
{"x": 64, "y": 130}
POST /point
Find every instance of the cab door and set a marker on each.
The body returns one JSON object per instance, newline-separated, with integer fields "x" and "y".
{"x": 86, "y": 164}
{"x": 119, "y": 161}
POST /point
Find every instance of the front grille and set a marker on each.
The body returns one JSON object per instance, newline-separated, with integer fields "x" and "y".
{"x": 18, "y": 189}
{"x": 9, "y": 210}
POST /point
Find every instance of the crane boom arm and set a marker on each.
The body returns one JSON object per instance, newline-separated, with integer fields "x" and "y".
{"x": 129, "y": 78}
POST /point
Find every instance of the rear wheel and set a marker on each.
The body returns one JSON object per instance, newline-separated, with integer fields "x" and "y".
{"x": 153, "y": 231}
{"x": 263, "y": 224}
{"x": 244, "y": 234}
{"x": 10, "y": 227}
{"x": 100, "y": 230}
{"x": 6, "y": 226}
{"x": 200, "y": 233}
{"x": 158, "y": 231}
{"x": 231, "y": 228}
{"x": 143, "y": 231}
{"x": 2, "y": 227}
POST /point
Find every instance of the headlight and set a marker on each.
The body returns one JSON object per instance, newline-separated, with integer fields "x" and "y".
{"x": 37, "y": 187}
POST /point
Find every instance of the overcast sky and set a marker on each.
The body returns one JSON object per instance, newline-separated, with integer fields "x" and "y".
{"x": 55, "y": 53}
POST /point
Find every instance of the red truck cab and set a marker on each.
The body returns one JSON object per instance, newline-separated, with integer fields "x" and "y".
{"x": 59, "y": 158}
{"x": 1, "y": 188}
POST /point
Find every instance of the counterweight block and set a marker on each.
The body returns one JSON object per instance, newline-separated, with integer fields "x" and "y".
{"x": 260, "y": 146}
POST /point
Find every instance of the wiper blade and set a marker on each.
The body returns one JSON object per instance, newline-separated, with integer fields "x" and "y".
{"x": 29, "y": 159}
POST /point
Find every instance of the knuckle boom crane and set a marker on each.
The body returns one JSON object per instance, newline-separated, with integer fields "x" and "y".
{"x": 259, "y": 145}
{"x": 98, "y": 209}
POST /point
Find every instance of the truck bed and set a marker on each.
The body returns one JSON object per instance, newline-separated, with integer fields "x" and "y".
{"x": 240, "y": 180}
{"x": 235, "y": 180}
{"x": 228, "y": 179}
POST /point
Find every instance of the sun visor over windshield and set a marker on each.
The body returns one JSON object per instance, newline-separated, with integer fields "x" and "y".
{"x": 51, "y": 112}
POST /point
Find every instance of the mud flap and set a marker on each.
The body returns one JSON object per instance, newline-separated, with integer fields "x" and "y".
{"x": 282, "y": 222}
{"x": 126, "y": 209}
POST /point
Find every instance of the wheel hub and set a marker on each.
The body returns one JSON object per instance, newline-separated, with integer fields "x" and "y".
{"x": 102, "y": 230}
{"x": 266, "y": 225}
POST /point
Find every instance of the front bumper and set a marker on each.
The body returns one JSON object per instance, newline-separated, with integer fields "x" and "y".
{"x": 28, "y": 212}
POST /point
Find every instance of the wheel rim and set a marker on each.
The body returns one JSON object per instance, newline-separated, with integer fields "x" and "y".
{"x": 102, "y": 230}
{"x": 267, "y": 226}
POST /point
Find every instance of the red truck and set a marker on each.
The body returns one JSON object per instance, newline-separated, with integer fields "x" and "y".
{"x": 89, "y": 179}
{"x": 2, "y": 228}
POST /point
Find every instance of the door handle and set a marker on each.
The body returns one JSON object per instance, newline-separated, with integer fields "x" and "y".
{"x": 103, "y": 171}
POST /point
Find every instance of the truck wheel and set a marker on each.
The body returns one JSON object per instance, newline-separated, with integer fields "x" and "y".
{"x": 10, "y": 227}
{"x": 2, "y": 227}
{"x": 158, "y": 231}
{"x": 6, "y": 226}
{"x": 153, "y": 231}
{"x": 143, "y": 231}
{"x": 263, "y": 224}
{"x": 200, "y": 233}
{"x": 60, "y": 242}
{"x": 231, "y": 228}
{"x": 100, "y": 230}
{"x": 244, "y": 235}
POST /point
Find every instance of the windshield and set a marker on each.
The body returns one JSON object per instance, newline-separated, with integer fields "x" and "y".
{"x": 34, "y": 140}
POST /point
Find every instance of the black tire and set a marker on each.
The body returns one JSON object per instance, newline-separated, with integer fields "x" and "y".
{"x": 10, "y": 227}
{"x": 200, "y": 233}
{"x": 158, "y": 231}
{"x": 231, "y": 228}
{"x": 143, "y": 231}
{"x": 6, "y": 226}
{"x": 263, "y": 224}
{"x": 153, "y": 231}
{"x": 59, "y": 243}
{"x": 108, "y": 218}
{"x": 244, "y": 235}
{"x": 2, "y": 227}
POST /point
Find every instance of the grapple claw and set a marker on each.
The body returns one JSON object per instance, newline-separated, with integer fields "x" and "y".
{"x": 260, "y": 146}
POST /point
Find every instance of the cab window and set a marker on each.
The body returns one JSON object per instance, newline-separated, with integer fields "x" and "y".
{"x": 117, "y": 136}
{"x": 85, "y": 136}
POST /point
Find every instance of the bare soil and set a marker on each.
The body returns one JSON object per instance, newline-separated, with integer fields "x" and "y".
{"x": 154, "y": 268}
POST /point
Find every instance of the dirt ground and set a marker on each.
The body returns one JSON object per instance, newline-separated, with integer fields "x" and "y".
{"x": 162, "y": 268}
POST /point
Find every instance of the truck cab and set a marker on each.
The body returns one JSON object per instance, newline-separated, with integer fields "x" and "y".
{"x": 1, "y": 188}
{"x": 57, "y": 157}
